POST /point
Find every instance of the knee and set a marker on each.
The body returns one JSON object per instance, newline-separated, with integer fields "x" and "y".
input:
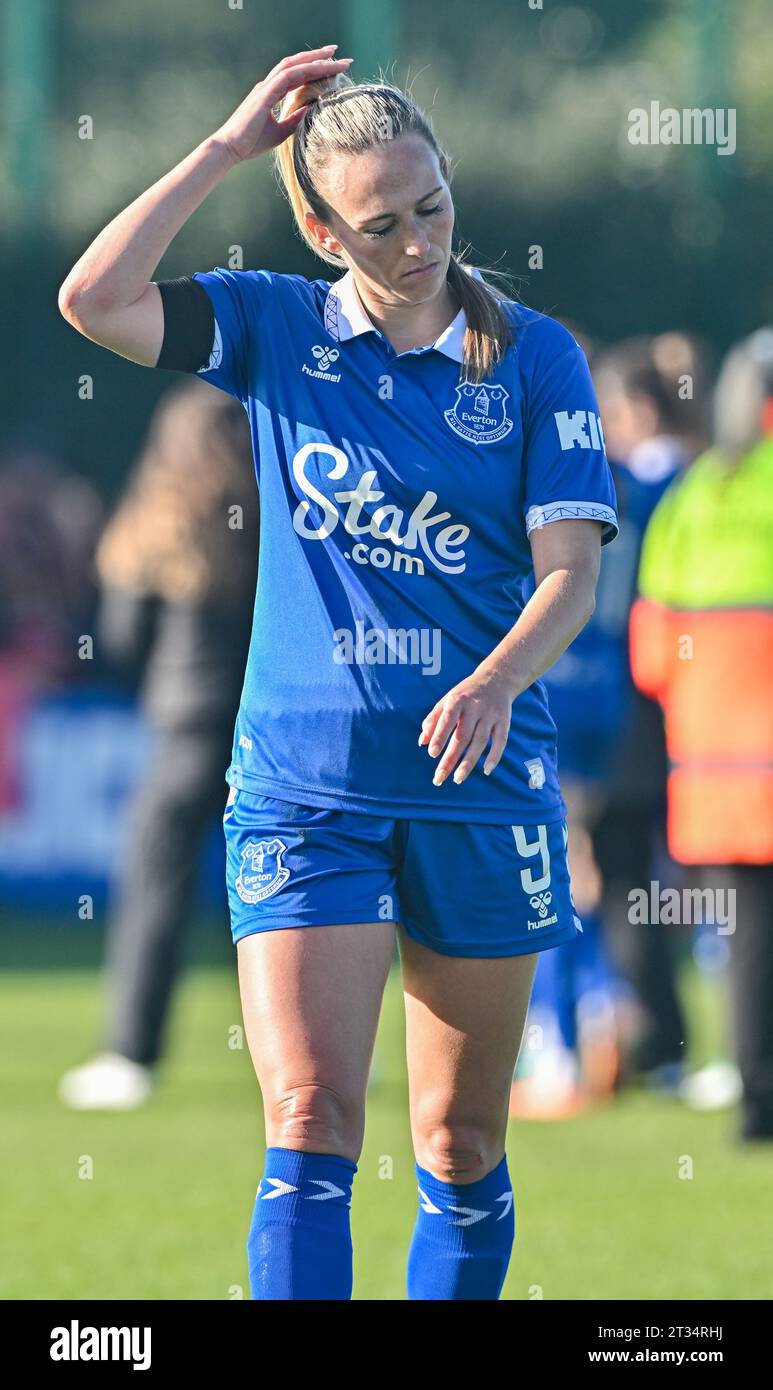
{"x": 316, "y": 1118}
{"x": 458, "y": 1152}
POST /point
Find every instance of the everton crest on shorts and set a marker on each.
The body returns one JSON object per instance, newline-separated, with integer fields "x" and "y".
{"x": 461, "y": 890}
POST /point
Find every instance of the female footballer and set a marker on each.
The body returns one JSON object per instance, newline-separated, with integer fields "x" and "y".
{"x": 422, "y": 446}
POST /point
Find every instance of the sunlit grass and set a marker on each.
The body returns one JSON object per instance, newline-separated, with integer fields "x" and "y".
{"x": 601, "y": 1209}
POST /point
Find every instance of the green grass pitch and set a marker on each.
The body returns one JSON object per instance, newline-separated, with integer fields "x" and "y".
{"x": 601, "y": 1211}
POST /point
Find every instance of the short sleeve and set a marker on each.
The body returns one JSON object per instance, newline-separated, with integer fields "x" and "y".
{"x": 239, "y": 300}
{"x": 567, "y": 476}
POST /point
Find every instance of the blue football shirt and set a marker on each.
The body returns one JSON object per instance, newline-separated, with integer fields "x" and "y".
{"x": 396, "y": 505}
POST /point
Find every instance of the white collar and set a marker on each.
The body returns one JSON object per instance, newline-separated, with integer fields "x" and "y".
{"x": 345, "y": 317}
{"x": 653, "y": 459}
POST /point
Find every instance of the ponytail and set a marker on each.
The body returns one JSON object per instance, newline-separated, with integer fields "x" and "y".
{"x": 344, "y": 117}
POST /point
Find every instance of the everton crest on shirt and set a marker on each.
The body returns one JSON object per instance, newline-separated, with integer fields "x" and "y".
{"x": 397, "y": 500}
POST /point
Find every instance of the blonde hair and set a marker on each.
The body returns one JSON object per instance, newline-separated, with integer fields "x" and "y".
{"x": 744, "y": 384}
{"x": 344, "y": 117}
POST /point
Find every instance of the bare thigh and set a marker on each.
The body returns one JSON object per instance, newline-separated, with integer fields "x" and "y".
{"x": 464, "y": 1025}
{"x": 311, "y": 999}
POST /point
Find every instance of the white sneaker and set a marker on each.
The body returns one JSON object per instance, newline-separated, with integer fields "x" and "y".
{"x": 108, "y": 1082}
{"x": 715, "y": 1087}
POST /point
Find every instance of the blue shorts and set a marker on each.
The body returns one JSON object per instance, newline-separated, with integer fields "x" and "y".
{"x": 462, "y": 890}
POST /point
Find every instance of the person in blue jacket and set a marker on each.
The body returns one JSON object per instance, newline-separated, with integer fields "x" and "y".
{"x": 607, "y": 1005}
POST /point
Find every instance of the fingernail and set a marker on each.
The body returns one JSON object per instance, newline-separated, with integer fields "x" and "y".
{"x": 437, "y": 780}
{"x": 329, "y": 47}
{"x": 486, "y": 771}
{"x": 458, "y": 777}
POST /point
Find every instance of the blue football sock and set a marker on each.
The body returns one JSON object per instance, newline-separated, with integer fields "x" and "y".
{"x": 300, "y": 1245}
{"x": 463, "y": 1237}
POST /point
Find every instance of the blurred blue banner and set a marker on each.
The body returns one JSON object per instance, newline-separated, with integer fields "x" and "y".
{"x": 70, "y": 771}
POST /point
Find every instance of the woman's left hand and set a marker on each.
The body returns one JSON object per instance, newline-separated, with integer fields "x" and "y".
{"x": 474, "y": 712}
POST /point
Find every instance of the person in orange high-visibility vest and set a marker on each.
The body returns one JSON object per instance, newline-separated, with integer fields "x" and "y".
{"x": 702, "y": 644}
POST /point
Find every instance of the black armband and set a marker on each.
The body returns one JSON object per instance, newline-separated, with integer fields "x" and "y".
{"x": 189, "y": 325}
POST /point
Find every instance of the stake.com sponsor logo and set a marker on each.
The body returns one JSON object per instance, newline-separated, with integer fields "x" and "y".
{"x": 443, "y": 547}
{"x": 76, "y": 1343}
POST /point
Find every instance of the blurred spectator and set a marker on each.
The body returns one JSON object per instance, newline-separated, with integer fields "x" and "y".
{"x": 652, "y": 393}
{"x": 612, "y": 759}
{"x": 652, "y": 397}
{"x": 702, "y": 644}
{"x": 178, "y": 566}
{"x": 49, "y": 521}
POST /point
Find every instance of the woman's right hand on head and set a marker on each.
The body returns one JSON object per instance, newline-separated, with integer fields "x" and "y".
{"x": 253, "y": 129}
{"x": 109, "y": 295}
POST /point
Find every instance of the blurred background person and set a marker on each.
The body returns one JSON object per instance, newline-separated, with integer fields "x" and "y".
{"x": 702, "y": 644}
{"x": 653, "y": 401}
{"x": 49, "y": 522}
{"x": 177, "y": 564}
{"x": 607, "y": 1004}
